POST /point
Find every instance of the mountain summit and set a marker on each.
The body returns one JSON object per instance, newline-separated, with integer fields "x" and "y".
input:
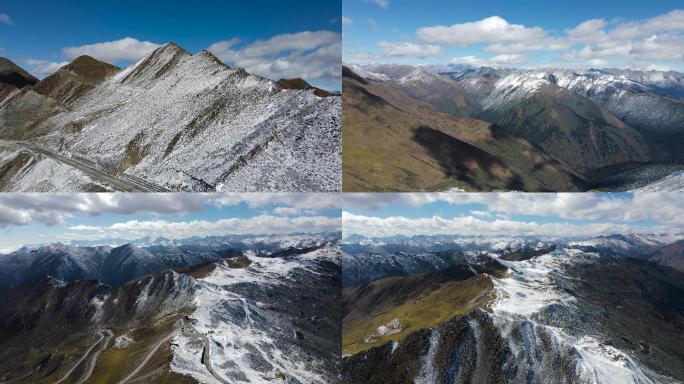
{"x": 171, "y": 121}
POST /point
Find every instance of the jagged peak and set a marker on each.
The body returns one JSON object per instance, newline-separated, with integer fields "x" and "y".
{"x": 212, "y": 57}
{"x": 171, "y": 47}
{"x": 156, "y": 64}
{"x": 298, "y": 83}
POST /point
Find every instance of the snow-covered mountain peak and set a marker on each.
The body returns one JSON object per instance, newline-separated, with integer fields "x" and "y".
{"x": 367, "y": 74}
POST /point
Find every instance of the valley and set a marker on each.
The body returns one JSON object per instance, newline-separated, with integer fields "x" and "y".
{"x": 499, "y": 129}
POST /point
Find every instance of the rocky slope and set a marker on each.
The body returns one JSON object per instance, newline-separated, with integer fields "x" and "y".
{"x": 395, "y": 141}
{"x": 563, "y": 316}
{"x": 120, "y": 264}
{"x": 246, "y": 318}
{"x": 148, "y": 121}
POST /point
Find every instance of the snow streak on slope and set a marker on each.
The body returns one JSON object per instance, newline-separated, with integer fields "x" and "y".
{"x": 251, "y": 341}
{"x": 532, "y": 288}
{"x": 671, "y": 183}
{"x": 188, "y": 122}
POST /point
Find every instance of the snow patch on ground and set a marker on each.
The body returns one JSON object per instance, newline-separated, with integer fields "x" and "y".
{"x": 240, "y": 330}
{"x": 671, "y": 183}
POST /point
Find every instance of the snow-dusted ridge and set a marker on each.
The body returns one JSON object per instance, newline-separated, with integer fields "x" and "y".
{"x": 189, "y": 122}
{"x": 251, "y": 341}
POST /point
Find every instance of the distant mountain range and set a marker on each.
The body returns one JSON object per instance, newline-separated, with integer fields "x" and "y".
{"x": 171, "y": 121}
{"x": 508, "y": 129}
{"x": 522, "y": 310}
{"x": 120, "y": 264}
{"x": 206, "y": 313}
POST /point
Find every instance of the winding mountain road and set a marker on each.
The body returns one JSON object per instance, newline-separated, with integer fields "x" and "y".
{"x": 147, "y": 358}
{"x": 93, "y": 359}
{"x": 103, "y": 334}
{"x": 124, "y": 185}
{"x": 206, "y": 356}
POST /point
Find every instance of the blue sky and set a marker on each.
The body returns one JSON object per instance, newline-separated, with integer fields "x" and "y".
{"x": 548, "y": 214}
{"x": 543, "y": 32}
{"x": 47, "y": 218}
{"x": 40, "y": 30}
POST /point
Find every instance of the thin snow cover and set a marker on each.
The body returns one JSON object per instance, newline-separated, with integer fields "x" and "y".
{"x": 673, "y": 182}
{"x": 122, "y": 341}
{"x": 531, "y": 288}
{"x": 186, "y": 122}
{"x": 240, "y": 329}
{"x": 626, "y": 243}
{"x": 367, "y": 74}
{"x": 602, "y": 363}
{"x": 391, "y": 328}
{"x": 516, "y": 86}
{"x": 41, "y": 174}
{"x": 428, "y": 374}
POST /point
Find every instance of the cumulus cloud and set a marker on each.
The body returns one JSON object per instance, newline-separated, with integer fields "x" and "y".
{"x": 476, "y": 226}
{"x": 52, "y": 209}
{"x": 126, "y": 49}
{"x": 314, "y": 56}
{"x": 5, "y": 19}
{"x": 568, "y": 206}
{"x": 409, "y": 49}
{"x": 650, "y": 43}
{"x": 495, "y": 61}
{"x": 347, "y": 21}
{"x": 489, "y": 30}
{"x": 42, "y": 68}
{"x": 262, "y": 224}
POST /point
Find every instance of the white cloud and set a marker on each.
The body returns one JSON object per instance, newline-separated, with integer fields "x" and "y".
{"x": 598, "y": 62}
{"x": 655, "y": 42}
{"x": 489, "y": 30}
{"x": 635, "y": 44}
{"x": 409, "y": 49}
{"x": 310, "y": 55}
{"x": 587, "y": 29}
{"x": 347, "y": 21}
{"x": 474, "y": 226}
{"x": 495, "y": 61}
{"x": 52, "y": 209}
{"x": 42, "y": 68}
{"x": 469, "y": 60}
{"x": 656, "y": 67}
{"x": 509, "y": 59}
{"x": 5, "y": 19}
{"x": 569, "y": 206}
{"x": 263, "y": 224}
{"x": 126, "y": 49}
{"x": 380, "y": 3}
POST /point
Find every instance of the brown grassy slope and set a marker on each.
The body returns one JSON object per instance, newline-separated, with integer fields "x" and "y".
{"x": 21, "y": 117}
{"x": 298, "y": 83}
{"x": 671, "y": 255}
{"x": 74, "y": 79}
{"x": 394, "y": 143}
{"x": 415, "y": 302}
